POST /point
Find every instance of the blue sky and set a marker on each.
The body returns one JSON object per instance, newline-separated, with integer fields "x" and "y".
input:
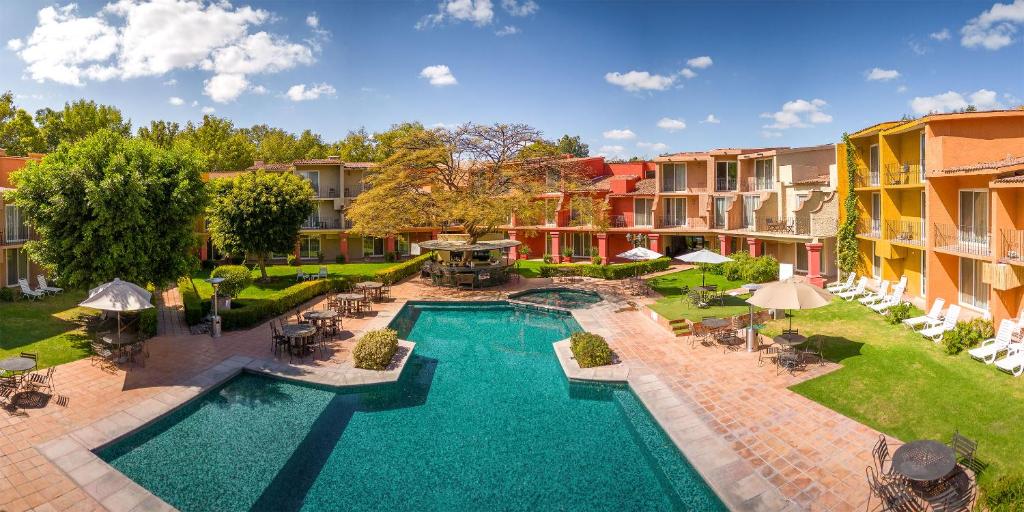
{"x": 625, "y": 75}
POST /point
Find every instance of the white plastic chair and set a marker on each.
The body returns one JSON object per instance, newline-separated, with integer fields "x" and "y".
{"x": 933, "y": 316}
{"x": 1013, "y": 363}
{"x": 46, "y": 287}
{"x": 990, "y": 348}
{"x": 893, "y": 299}
{"x": 300, "y": 275}
{"x": 880, "y": 295}
{"x": 842, "y": 286}
{"x": 27, "y": 291}
{"x": 934, "y": 332}
{"x": 323, "y": 272}
{"x": 862, "y": 285}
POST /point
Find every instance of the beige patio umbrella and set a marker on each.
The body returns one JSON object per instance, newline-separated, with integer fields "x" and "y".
{"x": 790, "y": 294}
{"x": 118, "y": 296}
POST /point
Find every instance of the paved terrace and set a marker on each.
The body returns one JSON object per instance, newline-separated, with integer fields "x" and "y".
{"x": 777, "y": 448}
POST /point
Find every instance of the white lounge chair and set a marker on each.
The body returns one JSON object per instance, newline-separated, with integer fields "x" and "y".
{"x": 1013, "y": 363}
{"x": 27, "y": 291}
{"x": 990, "y": 348}
{"x": 45, "y": 287}
{"x": 842, "y": 286}
{"x": 862, "y": 285}
{"x": 935, "y": 331}
{"x": 893, "y": 299}
{"x": 934, "y": 315}
{"x": 879, "y": 296}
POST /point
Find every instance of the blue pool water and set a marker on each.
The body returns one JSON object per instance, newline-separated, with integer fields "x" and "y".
{"x": 481, "y": 419}
{"x": 567, "y": 298}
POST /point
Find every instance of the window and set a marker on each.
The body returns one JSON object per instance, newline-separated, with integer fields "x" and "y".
{"x": 750, "y": 203}
{"x": 309, "y": 247}
{"x": 924, "y": 265}
{"x": 642, "y": 215}
{"x": 402, "y": 244}
{"x": 17, "y": 265}
{"x": 921, "y": 154}
{"x": 673, "y": 177}
{"x": 873, "y": 164}
{"x": 649, "y": 174}
{"x": 373, "y": 246}
{"x": 15, "y": 229}
{"x": 801, "y": 257}
{"x": 313, "y": 177}
{"x": 876, "y": 212}
{"x": 876, "y": 263}
{"x": 924, "y": 215}
{"x": 721, "y": 211}
{"x": 800, "y": 200}
{"x": 675, "y": 212}
{"x": 973, "y": 292}
{"x": 725, "y": 176}
{"x": 581, "y": 245}
{"x": 764, "y": 173}
{"x": 974, "y": 217}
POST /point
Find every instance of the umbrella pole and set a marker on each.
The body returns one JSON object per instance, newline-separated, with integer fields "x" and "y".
{"x": 118, "y": 327}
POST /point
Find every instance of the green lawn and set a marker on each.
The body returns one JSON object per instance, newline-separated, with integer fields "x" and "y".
{"x": 50, "y": 328}
{"x": 899, "y": 383}
{"x": 283, "y": 276}
{"x": 674, "y": 306}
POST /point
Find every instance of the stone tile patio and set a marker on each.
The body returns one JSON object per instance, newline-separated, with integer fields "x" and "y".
{"x": 771, "y": 439}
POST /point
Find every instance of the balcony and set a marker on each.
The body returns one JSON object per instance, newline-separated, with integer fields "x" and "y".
{"x": 725, "y": 185}
{"x": 784, "y": 226}
{"x": 868, "y": 179}
{"x": 316, "y": 222}
{"x": 962, "y": 239}
{"x": 909, "y": 232}
{"x": 906, "y": 173}
{"x": 326, "y": 193}
{"x": 15, "y": 236}
{"x": 871, "y": 228}
{"x": 753, "y": 184}
{"x": 1011, "y": 245}
{"x": 670, "y": 221}
{"x": 353, "y": 192}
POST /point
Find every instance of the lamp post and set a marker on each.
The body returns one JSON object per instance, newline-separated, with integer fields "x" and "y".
{"x": 215, "y": 321}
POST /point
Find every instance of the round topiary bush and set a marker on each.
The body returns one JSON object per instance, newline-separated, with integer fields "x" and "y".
{"x": 236, "y": 279}
{"x": 590, "y": 349}
{"x": 375, "y": 349}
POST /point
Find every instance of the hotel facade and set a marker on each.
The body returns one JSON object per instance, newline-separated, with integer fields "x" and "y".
{"x": 14, "y": 232}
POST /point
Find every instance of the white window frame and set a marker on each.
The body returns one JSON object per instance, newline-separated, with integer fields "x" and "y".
{"x": 729, "y": 185}
{"x": 976, "y": 271}
{"x": 673, "y": 171}
{"x": 373, "y": 246}
{"x": 306, "y": 251}
{"x": 306, "y": 176}
{"x": 646, "y": 213}
{"x": 582, "y": 244}
{"x": 874, "y": 165}
{"x": 972, "y": 237}
{"x": 20, "y": 257}
{"x": 921, "y": 157}
{"x": 876, "y": 221}
{"x": 725, "y": 212}
{"x": 876, "y": 262}
{"x": 922, "y": 269}
{"x": 750, "y": 212}
{"x": 676, "y": 216}
{"x": 764, "y": 174}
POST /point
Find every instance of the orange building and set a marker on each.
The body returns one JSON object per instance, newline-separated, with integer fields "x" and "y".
{"x": 14, "y": 261}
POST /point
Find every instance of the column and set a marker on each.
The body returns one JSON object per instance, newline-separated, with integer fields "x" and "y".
{"x": 435, "y": 234}
{"x": 513, "y": 252}
{"x": 298, "y": 251}
{"x": 655, "y": 240}
{"x": 754, "y": 247}
{"x": 389, "y": 245}
{"x": 602, "y": 247}
{"x": 343, "y": 246}
{"x": 724, "y": 245}
{"x": 814, "y": 264}
{"x": 556, "y": 248}
{"x": 202, "y": 249}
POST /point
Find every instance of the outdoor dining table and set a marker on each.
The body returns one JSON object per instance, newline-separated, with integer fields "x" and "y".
{"x": 17, "y": 364}
{"x": 790, "y": 339}
{"x": 371, "y": 288}
{"x": 924, "y": 462}
{"x": 321, "y": 317}
{"x": 717, "y": 326}
{"x": 297, "y": 331}
{"x": 349, "y": 301}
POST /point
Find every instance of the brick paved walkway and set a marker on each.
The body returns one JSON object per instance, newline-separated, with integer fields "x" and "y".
{"x": 171, "y": 311}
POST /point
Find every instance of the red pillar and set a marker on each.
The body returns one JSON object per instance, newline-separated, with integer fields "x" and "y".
{"x": 343, "y": 246}
{"x": 724, "y": 245}
{"x": 654, "y": 239}
{"x": 389, "y": 245}
{"x": 298, "y": 252}
{"x": 513, "y": 252}
{"x": 754, "y": 247}
{"x": 556, "y": 248}
{"x": 435, "y": 234}
{"x": 814, "y": 264}
{"x": 202, "y": 250}
{"x": 602, "y": 247}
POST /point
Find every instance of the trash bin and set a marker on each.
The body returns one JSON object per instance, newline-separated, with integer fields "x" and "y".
{"x": 215, "y": 327}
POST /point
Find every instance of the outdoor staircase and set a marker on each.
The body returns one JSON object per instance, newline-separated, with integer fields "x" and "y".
{"x": 680, "y": 327}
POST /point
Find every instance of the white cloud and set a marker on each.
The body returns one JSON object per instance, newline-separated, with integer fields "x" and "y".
{"x": 882, "y": 75}
{"x": 479, "y": 12}
{"x": 770, "y": 134}
{"x": 711, "y": 119}
{"x": 654, "y": 147}
{"x": 525, "y": 8}
{"x": 313, "y": 21}
{"x": 300, "y": 92}
{"x": 209, "y": 110}
{"x": 798, "y": 114}
{"x": 176, "y": 101}
{"x": 611, "y": 151}
{"x": 129, "y": 39}
{"x": 14, "y": 45}
{"x": 439, "y": 75}
{"x": 507, "y": 30}
{"x": 901, "y": 89}
{"x": 258, "y": 89}
{"x": 619, "y": 134}
{"x": 941, "y": 35}
{"x": 225, "y": 87}
{"x": 639, "y": 80}
{"x": 701, "y": 62}
{"x": 687, "y": 73}
{"x": 983, "y": 99}
{"x": 667, "y": 123}
{"x": 170, "y": 83}
{"x": 917, "y": 47}
{"x": 993, "y": 29}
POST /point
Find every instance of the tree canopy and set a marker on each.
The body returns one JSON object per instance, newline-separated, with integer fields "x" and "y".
{"x": 259, "y": 213}
{"x": 112, "y": 206}
{"x": 18, "y": 133}
{"x": 77, "y": 121}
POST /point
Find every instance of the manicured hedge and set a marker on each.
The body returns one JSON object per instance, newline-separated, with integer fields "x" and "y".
{"x": 249, "y": 312}
{"x": 148, "y": 319}
{"x": 194, "y": 311}
{"x": 396, "y": 273}
{"x": 614, "y": 271}
{"x": 590, "y": 349}
{"x": 375, "y": 349}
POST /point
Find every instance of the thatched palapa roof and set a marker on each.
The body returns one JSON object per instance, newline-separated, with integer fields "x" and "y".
{"x": 453, "y": 245}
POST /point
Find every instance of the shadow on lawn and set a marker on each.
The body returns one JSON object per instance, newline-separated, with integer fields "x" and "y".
{"x": 836, "y": 348}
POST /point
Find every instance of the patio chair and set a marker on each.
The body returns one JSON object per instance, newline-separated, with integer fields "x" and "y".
{"x": 102, "y": 353}
{"x": 699, "y": 334}
{"x": 894, "y": 299}
{"x": 813, "y": 348}
{"x": 963, "y": 447}
{"x": 27, "y": 292}
{"x": 768, "y": 353}
{"x": 696, "y": 299}
{"x": 1013, "y": 363}
{"x": 842, "y": 286}
{"x": 300, "y": 275}
{"x": 933, "y": 316}
{"x": 880, "y": 456}
{"x": 860, "y": 289}
{"x": 34, "y": 357}
{"x": 893, "y": 495}
{"x": 323, "y": 272}
{"x": 935, "y": 331}
{"x": 990, "y": 348}
{"x": 45, "y": 288}
{"x": 880, "y": 295}
{"x": 788, "y": 360}
{"x": 136, "y": 352}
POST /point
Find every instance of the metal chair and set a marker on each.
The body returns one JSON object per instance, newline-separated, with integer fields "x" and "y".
{"x": 42, "y": 380}
{"x": 880, "y": 456}
{"x": 894, "y": 495}
{"x": 814, "y": 349}
{"x": 34, "y": 357}
{"x": 768, "y": 353}
{"x": 963, "y": 447}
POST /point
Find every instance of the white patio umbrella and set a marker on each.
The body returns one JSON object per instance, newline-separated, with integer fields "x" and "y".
{"x": 118, "y": 296}
{"x": 639, "y": 254}
{"x": 790, "y": 294}
{"x": 703, "y": 256}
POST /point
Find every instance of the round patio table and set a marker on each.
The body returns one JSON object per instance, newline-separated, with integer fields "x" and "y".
{"x": 716, "y": 323}
{"x": 371, "y": 287}
{"x": 349, "y": 301}
{"x": 322, "y": 317}
{"x": 17, "y": 364}
{"x": 790, "y": 340}
{"x": 924, "y": 461}
{"x": 296, "y": 332}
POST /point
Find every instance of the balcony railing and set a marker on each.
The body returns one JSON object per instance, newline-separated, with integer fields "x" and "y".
{"x": 327, "y": 193}
{"x": 785, "y": 225}
{"x": 754, "y": 184}
{"x": 355, "y": 191}
{"x": 673, "y": 222}
{"x": 15, "y": 236}
{"x": 905, "y": 231}
{"x": 315, "y": 222}
{"x": 1011, "y": 245}
{"x": 868, "y": 179}
{"x": 725, "y": 185}
{"x": 907, "y": 173}
{"x": 870, "y": 228}
{"x": 962, "y": 239}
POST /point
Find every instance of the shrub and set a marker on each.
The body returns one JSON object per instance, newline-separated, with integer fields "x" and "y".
{"x": 614, "y": 271}
{"x": 339, "y": 258}
{"x": 596, "y": 260}
{"x": 236, "y": 278}
{"x": 1006, "y": 494}
{"x": 734, "y": 270}
{"x": 292, "y": 261}
{"x": 375, "y": 349}
{"x": 966, "y": 335}
{"x": 190, "y": 298}
{"x": 396, "y": 273}
{"x": 567, "y": 252}
{"x": 6, "y": 294}
{"x": 590, "y": 349}
{"x": 246, "y": 313}
{"x": 547, "y": 257}
{"x": 525, "y": 251}
{"x": 761, "y": 270}
{"x": 898, "y": 313}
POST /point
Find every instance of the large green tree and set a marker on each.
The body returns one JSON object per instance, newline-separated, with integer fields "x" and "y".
{"x": 275, "y": 145}
{"x": 357, "y": 146}
{"x": 573, "y": 146}
{"x": 18, "y": 133}
{"x": 79, "y": 120}
{"x": 161, "y": 133}
{"x": 111, "y": 206}
{"x": 223, "y": 147}
{"x": 259, "y": 213}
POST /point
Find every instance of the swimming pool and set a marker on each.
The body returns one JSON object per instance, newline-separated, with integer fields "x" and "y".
{"x": 568, "y": 298}
{"x": 482, "y": 418}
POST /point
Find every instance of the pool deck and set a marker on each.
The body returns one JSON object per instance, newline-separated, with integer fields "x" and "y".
{"x": 761, "y": 446}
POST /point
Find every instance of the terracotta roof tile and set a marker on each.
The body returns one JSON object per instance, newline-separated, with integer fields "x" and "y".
{"x": 269, "y": 167}
{"x": 817, "y": 180}
{"x": 315, "y": 161}
{"x": 984, "y": 166}
{"x": 1018, "y": 178}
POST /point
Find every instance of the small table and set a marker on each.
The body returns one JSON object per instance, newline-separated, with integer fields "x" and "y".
{"x": 924, "y": 461}
{"x": 372, "y": 288}
{"x": 322, "y": 317}
{"x": 790, "y": 340}
{"x": 17, "y": 364}
{"x": 297, "y": 331}
{"x": 348, "y": 300}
